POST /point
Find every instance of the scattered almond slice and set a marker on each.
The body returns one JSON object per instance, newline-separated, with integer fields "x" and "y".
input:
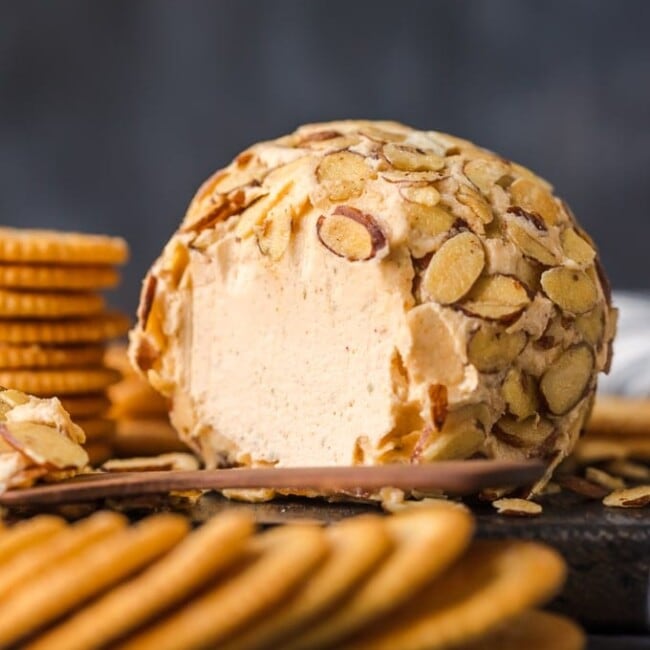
{"x": 485, "y": 173}
{"x": 576, "y": 248}
{"x": 565, "y": 383}
{"x": 636, "y": 497}
{"x": 582, "y": 486}
{"x": 592, "y": 326}
{"x": 344, "y": 174}
{"x": 520, "y": 394}
{"x": 421, "y": 194}
{"x": 351, "y": 234}
{"x": 410, "y": 159}
{"x": 454, "y": 268}
{"x": 570, "y": 289}
{"x": 496, "y": 297}
{"x": 491, "y": 350}
{"x": 517, "y": 507}
{"x": 531, "y": 246}
{"x": 164, "y": 462}
{"x": 601, "y": 477}
{"x": 475, "y": 202}
{"x": 531, "y": 432}
{"x": 427, "y": 223}
{"x": 533, "y": 197}
{"x": 274, "y": 233}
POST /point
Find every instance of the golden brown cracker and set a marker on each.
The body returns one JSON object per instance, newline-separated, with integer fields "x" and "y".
{"x": 99, "y": 452}
{"x": 57, "y": 548}
{"x": 613, "y": 415}
{"x": 133, "y": 398}
{"x": 68, "y": 248}
{"x": 48, "y": 356}
{"x": 67, "y": 381}
{"x": 427, "y": 542}
{"x": 97, "y": 429}
{"x": 358, "y": 545}
{"x": 87, "y": 405}
{"x": 146, "y": 438}
{"x": 26, "y": 535}
{"x": 492, "y": 583}
{"x": 39, "y": 305}
{"x": 78, "y": 330}
{"x": 533, "y": 630}
{"x": 280, "y": 560}
{"x": 91, "y": 571}
{"x": 54, "y": 277}
{"x": 192, "y": 564}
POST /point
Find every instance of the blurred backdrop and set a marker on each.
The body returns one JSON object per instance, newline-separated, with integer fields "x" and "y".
{"x": 112, "y": 112}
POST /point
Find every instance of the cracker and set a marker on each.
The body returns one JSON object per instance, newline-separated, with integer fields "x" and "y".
{"x": 79, "y": 330}
{"x": 533, "y": 630}
{"x": 279, "y": 561}
{"x": 64, "y": 278}
{"x": 146, "y": 438}
{"x": 358, "y": 545}
{"x": 614, "y": 415}
{"x": 17, "y": 304}
{"x": 134, "y": 398}
{"x": 41, "y": 356}
{"x": 26, "y": 535}
{"x": 86, "y": 406}
{"x": 56, "y": 548}
{"x": 99, "y": 452}
{"x": 427, "y": 542}
{"x": 67, "y": 248}
{"x": 97, "y": 429}
{"x": 187, "y": 568}
{"x": 174, "y": 462}
{"x": 85, "y": 574}
{"x": 494, "y": 582}
{"x": 68, "y": 381}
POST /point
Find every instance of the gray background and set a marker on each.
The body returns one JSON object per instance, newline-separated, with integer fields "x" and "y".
{"x": 111, "y": 113}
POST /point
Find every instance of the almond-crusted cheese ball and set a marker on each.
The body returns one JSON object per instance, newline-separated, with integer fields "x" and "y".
{"x": 365, "y": 293}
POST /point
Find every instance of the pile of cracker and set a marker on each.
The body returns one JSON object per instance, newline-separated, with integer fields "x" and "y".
{"x": 54, "y": 323}
{"x": 411, "y": 580}
{"x": 140, "y": 413}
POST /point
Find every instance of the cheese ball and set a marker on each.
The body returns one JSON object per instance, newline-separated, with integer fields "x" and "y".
{"x": 362, "y": 292}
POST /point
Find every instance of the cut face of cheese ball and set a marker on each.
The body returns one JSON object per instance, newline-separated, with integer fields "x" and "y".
{"x": 362, "y": 292}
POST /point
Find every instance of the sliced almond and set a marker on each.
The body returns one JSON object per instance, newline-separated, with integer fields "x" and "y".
{"x": 439, "y": 403}
{"x": 592, "y": 326}
{"x": 566, "y": 382}
{"x": 496, "y": 297}
{"x": 601, "y": 477}
{"x": 576, "y": 248}
{"x": 531, "y": 246}
{"x": 399, "y": 176}
{"x": 582, "y": 486}
{"x": 256, "y": 213}
{"x": 475, "y": 202}
{"x": 175, "y": 462}
{"x": 520, "y": 394}
{"x": 274, "y": 233}
{"x": 532, "y": 432}
{"x": 460, "y": 438}
{"x": 427, "y": 224}
{"x": 629, "y": 470}
{"x": 454, "y": 268}
{"x": 44, "y": 445}
{"x": 517, "y": 507}
{"x": 534, "y": 197}
{"x": 635, "y": 497}
{"x": 426, "y": 195}
{"x": 410, "y": 159}
{"x": 486, "y": 172}
{"x": 491, "y": 349}
{"x": 344, "y": 174}
{"x": 350, "y": 233}
{"x": 570, "y": 289}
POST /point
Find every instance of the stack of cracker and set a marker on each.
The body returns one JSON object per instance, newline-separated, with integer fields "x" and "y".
{"x": 140, "y": 413}
{"x": 54, "y": 323}
{"x": 415, "y": 580}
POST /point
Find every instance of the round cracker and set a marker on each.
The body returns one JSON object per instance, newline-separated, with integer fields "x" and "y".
{"x": 86, "y": 406}
{"x": 357, "y": 546}
{"x": 94, "y": 329}
{"x": 97, "y": 429}
{"x": 534, "y": 630}
{"x": 187, "y": 568}
{"x": 146, "y": 438}
{"x": 135, "y": 398}
{"x": 67, "y": 381}
{"x": 41, "y": 356}
{"x": 85, "y": 574}
{"x": 98, "y": 452}
{"x": 57, "y": 548}
{"x": 279, "y": 561}
{"x": 427, "y": 541}
{"x": 626, "y": 416}
{"x": 495, "y": 581}
{"x": 63, "y": 278}
{"x": 22, "y": 304}
{"x": 67, "y": 248}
